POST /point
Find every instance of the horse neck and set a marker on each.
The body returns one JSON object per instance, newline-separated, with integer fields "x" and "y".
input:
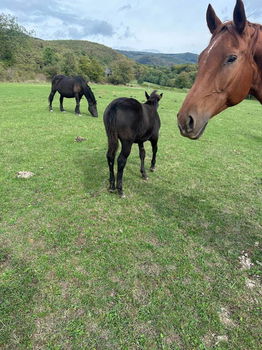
{"x": 257, "y": 84}
{"x": 258, "y": 49}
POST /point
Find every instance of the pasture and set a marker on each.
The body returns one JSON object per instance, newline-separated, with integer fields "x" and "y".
{"x": 165, "y": 268}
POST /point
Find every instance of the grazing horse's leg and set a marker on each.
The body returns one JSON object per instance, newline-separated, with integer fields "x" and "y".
{"x": 50, "y": 99}
{"x": 111, "y": 153}
{"x": 121, "y": 162}
{"x": 77, "y": 109}
{"x": 154, "y": 150}
{"x": 61, "y": 103}
{"x": 142, "y": 154}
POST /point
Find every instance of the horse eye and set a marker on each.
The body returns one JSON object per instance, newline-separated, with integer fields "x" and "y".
{"x": 231, "y": 59}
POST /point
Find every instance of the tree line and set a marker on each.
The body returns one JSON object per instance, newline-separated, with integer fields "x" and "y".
{"x": 23, "y": 57}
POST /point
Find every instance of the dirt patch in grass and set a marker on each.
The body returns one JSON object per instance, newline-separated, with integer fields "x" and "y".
{"x": 81, "y": 240}
{"x": 150, "y": 269}
{"x": 145, "y": 328}
{"x": 140, "y": 294}
{"x": 24, "y": 174}
{"x": 211, "y": 340}
{"x": 173, "y": 338}
{"x": 245, "y": 261}
{"x": 224, "y": 316}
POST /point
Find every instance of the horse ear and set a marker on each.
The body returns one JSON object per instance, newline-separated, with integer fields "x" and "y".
{"x": 147, "y": 96}
{"x": 239, "y": 16}
{"x": 212, "y": 20}
{"x": 161, "y": 95}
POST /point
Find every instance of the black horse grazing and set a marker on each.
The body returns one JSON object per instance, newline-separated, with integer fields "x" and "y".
{"x": 131, "y": 122}
{"x": 72, "y": 87}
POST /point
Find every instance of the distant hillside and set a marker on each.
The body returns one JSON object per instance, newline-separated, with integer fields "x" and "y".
{"x": 160, "y": 59}
{"x": 103, "y": 54}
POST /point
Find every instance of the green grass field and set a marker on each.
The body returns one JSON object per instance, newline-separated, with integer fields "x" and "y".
{"x": 163, "y": 268}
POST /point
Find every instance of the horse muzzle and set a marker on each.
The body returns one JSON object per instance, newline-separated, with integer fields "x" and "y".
{"x": 190, "y": 128}
{"x": 93, "y": 110}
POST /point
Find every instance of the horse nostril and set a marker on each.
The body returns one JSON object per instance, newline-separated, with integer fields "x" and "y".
{"x": 190, "y": 124}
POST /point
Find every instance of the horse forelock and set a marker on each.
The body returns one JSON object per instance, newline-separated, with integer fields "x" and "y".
{"x": 223, "y": 28}
{"x": 230, "y": 27}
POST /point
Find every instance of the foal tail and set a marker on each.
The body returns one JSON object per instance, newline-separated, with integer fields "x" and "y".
{"x": 110, "y": 126}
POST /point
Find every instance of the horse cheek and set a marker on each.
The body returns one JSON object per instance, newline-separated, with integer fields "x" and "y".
{"x": 241, "y": 87}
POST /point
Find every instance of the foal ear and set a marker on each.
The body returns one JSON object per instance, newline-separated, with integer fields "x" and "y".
{"x": 147, "y": 96}
{"x": 212, "y": 20}
{"x": 161, "y": 95}
{"x": 239, "y": 16}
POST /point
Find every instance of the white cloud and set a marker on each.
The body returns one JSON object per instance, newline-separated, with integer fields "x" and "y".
{"x": 167, "y": 26}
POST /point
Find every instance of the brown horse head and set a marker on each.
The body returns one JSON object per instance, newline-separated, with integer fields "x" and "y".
{"x": 228, "y": 69}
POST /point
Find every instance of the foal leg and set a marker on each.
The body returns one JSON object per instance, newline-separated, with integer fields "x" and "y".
{"x": 111, "y": 153}
{"x": 77, "y": 109}
{"x": 154, "y": 150}
{"x": 61, "y": 104}
{"x": 121, "y": 162}
{"x": 142, "y": 154}
{"x": 50, "y": 99}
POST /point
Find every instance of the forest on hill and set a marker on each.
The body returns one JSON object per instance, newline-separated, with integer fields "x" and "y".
{"x": 160, "y": 59}
{"x": 24, "y": 58}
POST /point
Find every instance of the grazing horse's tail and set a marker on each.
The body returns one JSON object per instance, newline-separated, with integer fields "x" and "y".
{"x": 110, "y": 126}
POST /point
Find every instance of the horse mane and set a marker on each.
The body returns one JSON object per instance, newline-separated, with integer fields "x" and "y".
{"x": 87, "y": 90}
{"x": 89, "y": 94}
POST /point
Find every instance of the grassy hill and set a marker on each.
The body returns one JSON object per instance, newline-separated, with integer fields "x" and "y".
{"x": 103, "y": 54}
{"x": 36, "y": 59}
{"x": 160, "y": 59}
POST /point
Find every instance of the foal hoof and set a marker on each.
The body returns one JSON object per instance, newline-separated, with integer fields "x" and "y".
{"x": 152, "y": 169}
{"x": 145, "y": 178}
{"x": 121, "y": 194}
{"x": 111, "y": 190}
{"x": 50, "y": 110}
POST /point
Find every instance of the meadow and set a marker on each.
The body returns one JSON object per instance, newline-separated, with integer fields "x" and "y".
{"x": 174, "y": 265}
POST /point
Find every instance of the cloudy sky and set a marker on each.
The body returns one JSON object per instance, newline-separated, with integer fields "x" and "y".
{"x": 169, "y": 26}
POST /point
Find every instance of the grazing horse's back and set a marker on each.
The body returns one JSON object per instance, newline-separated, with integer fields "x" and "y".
{"x": 129, "y": 121}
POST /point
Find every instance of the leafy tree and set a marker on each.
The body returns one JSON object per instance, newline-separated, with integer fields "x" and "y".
{"x": 69, "y": 64}
{"x": 140, "y": 72}
{"x": 51, "y": 70}
{"x": 122, "y": 72}
{"x": 183, "y": 81}
{"x": 12, "y": 38}
{"x": 90, "y": 69}
{"x": 49, "y": 56}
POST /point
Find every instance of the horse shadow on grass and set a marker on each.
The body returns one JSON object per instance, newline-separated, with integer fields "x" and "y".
{"x": 71, "y": 112}
{"x": 254, "y": 137}
{"x": 227, "y": 230}
{"x": 93, "y": 165}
